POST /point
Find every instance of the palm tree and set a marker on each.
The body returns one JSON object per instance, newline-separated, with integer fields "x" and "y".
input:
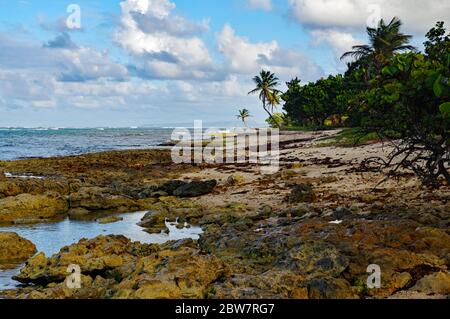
{"x": 244, "y": 114}
{"x": 266, "y": 85}
{"x": 384, "y": 42}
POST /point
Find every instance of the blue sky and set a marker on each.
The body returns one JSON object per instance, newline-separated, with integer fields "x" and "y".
{"x": 138, "y": 62}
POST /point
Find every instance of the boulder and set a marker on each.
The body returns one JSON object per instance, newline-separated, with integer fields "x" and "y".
{"x": 34, "y": 207}
{"x": 172, "y": 274}
{"x": 434, "y": 284}
{"x": 154, "y": 222}
{"x": 15, "y": 249}
{"x": 171, "y": 186}
{"x": 102, "y": 199}
{"x": 95, "y": 256}
{"x": 195, "y": 189}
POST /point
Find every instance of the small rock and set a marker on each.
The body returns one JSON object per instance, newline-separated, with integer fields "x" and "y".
{"x": 302, "y": 193}
{"x": 78, "y": 213}
{"x": 342, "y": 212}
{"x": 264, "y": 211}
{"x": 235, "y": 179}
{"x": 298, "y": 211}
{"x": 109, "y": 220}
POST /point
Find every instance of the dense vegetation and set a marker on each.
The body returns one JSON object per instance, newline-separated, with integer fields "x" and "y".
{"x": 390, "y": 89}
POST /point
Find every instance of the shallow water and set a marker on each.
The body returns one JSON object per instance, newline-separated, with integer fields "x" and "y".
{"x": 50, "y": 238}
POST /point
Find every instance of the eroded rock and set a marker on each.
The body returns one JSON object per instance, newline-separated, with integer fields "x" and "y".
{"x": 15, "y": 249}
{"x": 33, "y": 207}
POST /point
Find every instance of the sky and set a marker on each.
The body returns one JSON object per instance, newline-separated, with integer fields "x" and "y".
{"x": 158, "y": 62}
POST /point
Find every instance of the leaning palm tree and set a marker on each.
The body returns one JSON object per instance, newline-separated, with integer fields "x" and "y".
{"x": 243, "y": 115}
{"x": 384, "y": 42}
{"x": 266, "y": 85}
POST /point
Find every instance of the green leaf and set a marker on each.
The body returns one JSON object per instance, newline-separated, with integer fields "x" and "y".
{"x": 431, "y": 78}
{"x": 445, "y": 109}
{"x": 438, "y": 88}
{"x": 389, "y": 70}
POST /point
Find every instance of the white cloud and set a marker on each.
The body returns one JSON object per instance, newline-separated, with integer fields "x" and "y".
{"x": 164, "y": 45}
{"x": 30, "y": 72}
{"x": 243, "y": 57}
{"x": 168, "y": 70}
{"x": 418, "y": 15}
{"x": 265, "y": 5}
{"x": 339, "y": 41}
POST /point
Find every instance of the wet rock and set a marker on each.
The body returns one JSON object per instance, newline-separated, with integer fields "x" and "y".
{"x": 109, "y": 220}
{"x": 94, "y": 256}
{"x": 173, "y": 274}
{"x": 302, "y": 193}
{"x": 154, "y": 222}
{"x": 171, "y": 186}
{"x": 153, "y": 218}
{"x": 434, "y": 284}
{"x": 147, "y": 191}
{"x": 102, "y": 199}
{"x": 34, "y": 207}
{"x": 8, "y": 188}
{"x": 317, "y": 259}
{"x": 78, "y": 213}
{"x": 195, "y": 189}
{"x": 275, "y": 283}
{"x": 330, "y": 288}
{"x": 14, "y": 187}
{"x": 14, "y": 249}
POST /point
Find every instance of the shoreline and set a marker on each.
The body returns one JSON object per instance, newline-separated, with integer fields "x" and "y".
{"x": 308, "y": 231}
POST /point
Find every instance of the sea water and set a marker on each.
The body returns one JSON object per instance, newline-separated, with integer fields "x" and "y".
{"x": 51, "y": 237}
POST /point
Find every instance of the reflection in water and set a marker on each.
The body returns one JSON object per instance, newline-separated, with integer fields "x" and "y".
{"x": 50, "y": 238}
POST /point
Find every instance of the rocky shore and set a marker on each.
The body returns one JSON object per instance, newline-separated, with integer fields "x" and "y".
{"x": 308, "y": 231}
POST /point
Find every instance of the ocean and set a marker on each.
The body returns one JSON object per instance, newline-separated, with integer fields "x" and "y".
{"x": 20, "y": 143}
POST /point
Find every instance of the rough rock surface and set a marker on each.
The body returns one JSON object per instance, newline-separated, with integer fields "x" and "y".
{"x": 32, "y": 207}
{"x": 302, "y": 193}
{"x": 309, "y": 231}
{"x": 195, "y": 189}
{"x": 14, "y": 249}
{"x": 114, "y": 267}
